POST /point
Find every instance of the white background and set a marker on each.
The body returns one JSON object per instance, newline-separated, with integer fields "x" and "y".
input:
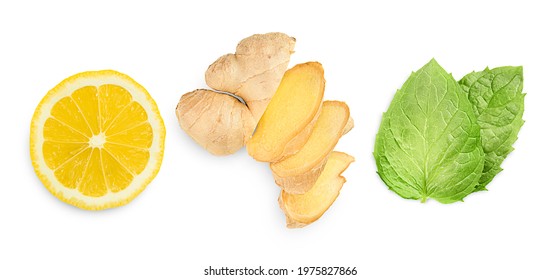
{"x": 205, "y": 211}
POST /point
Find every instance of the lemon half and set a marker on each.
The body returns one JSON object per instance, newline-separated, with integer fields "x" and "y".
{"x": 97, "y": 140}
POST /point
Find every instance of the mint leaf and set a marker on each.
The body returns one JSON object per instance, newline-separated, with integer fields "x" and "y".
{"x": 498, "y": 103}
{"x": 428, "y": 144}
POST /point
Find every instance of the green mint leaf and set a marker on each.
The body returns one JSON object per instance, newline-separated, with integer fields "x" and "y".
{"x": 498, "y": 103}
{"x": 428, "y": 144}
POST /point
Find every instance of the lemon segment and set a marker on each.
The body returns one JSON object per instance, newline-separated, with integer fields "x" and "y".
{"x": 97, "y": 140}
{"x": 64, "y": 111}
{"x": 112, "y": 100}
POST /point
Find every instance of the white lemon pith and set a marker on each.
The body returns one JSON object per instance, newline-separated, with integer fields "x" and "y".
{"x": 97, "y": 140}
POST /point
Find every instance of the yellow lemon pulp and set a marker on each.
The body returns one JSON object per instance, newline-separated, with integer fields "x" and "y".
{"x": 97, "y": 140}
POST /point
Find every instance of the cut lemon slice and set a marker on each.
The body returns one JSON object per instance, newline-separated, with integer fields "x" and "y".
{"x": 97, "y": 140}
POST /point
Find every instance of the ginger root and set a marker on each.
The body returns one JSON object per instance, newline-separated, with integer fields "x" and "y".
{"x": 290, "y": 116}
{"x": 299, "y": 172}
{"x": 221, "y": 124}
{"x": 304, "y": 209}
{"x": 296, "y": 131}
{"x": 218, "y": 122}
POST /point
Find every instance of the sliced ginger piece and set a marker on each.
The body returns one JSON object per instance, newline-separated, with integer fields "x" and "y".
{"x": 291, "y": 112}
{"x": 304, "y": 209}
{"x": 254, "y": 71}
{"x": 218, "y": 122}
{"x": 298, "y": 172}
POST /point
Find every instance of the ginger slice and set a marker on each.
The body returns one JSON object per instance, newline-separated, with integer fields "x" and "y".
{"x": 218, "y": 122}
{"x": 254, "y": 71}
{"x": 298, "y": 172}
{"x": 291, "y": 112}
{"x": 304, "y": 209}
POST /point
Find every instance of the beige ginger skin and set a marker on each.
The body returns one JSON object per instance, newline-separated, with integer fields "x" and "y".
{"x": 203, "y": 114}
